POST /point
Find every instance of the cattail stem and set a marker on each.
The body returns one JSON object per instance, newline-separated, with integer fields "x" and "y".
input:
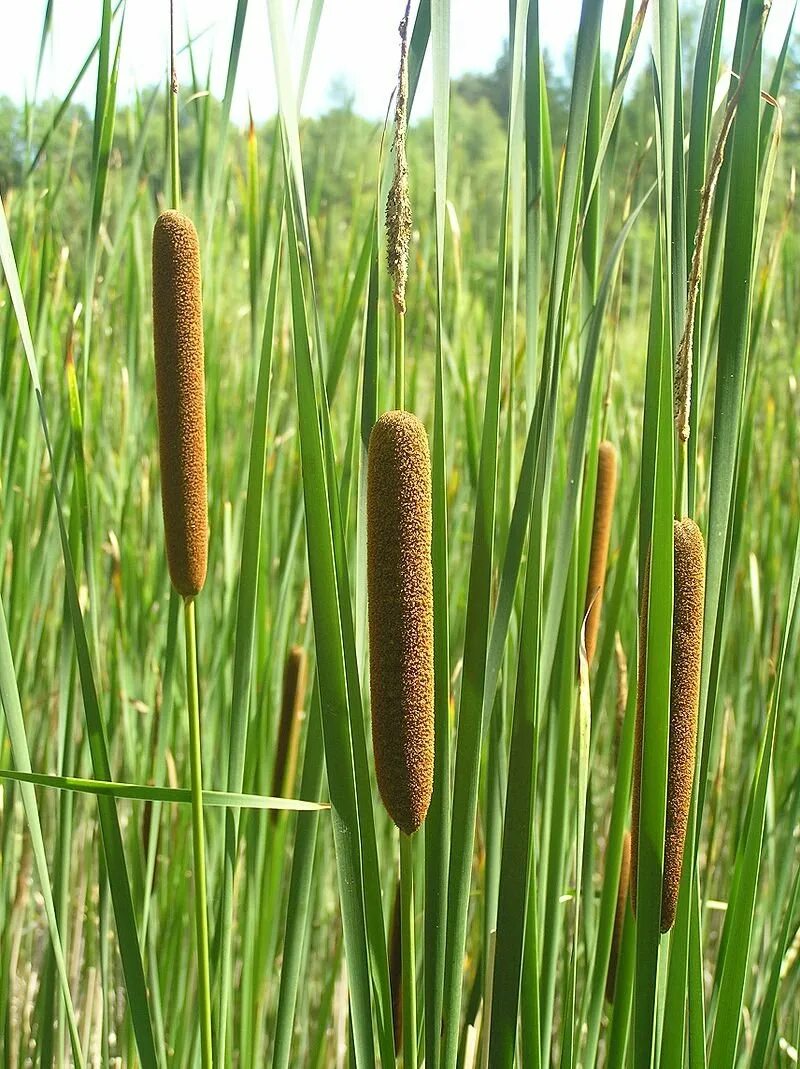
{"x": 399, "y": 360}
{"x": 198, "y": 837}
{"x": 174, "y": 159}
{"x": 395, "y": 951}
{"x": 681, "y": 504}
{"x": 408, "y": 956}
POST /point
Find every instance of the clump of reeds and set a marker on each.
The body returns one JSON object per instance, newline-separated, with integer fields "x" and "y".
{"x": 619, "y": 916}
{"x": 180, "y": 388}
{"x": 601, "y": 534}
{"x": 294, "y": 688}
{"x": 400, "y": 596}
{"x": 687, "y": 647}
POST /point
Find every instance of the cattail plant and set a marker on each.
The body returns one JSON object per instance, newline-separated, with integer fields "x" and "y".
{"x": 294, "y": 688}
{"x": 687, "y": 643}
{"x": 619, "y": 916}
{"x": 601, "y": 533}
{"x": 400, "y": 583}
{"x": 180, "y": 389}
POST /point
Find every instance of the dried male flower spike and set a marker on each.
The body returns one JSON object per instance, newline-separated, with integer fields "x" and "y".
{"x": 619, "y": 917}
{"x": 180, "y": 389}
{"x": 400, "y": 597}
{"x": 398, "y": 202}
{"x": 687, "y": 649}
{"x": 601, "y": 535}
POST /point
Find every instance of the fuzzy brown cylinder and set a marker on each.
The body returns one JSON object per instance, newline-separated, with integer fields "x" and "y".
{"x": 180, "y": 389}
{"x": 400, "y": 600}
{"x": 687, "y": 650}
{"x": 619, "y": 916}
{"x": 294, "y": 689}
{"x": 601, "y": 534}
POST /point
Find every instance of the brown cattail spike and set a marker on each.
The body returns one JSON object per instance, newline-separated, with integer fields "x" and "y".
{"x": 601, "y": 534}
{"x": 687, "y": 652}
{"x": 687, "y": 648}
{"x": 400, "y": 594}
{"x": 619, "y": 916}
{"x": 180, "y": 387}
{"x": 294, "y": 687}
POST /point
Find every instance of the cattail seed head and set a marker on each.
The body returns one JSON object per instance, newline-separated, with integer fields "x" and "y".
{"x": 294, "y": 688}
{"x": 180, "y": 389}
{"x": 601, "y": 535}
{"x": 400, "y": 596}
{"x": 619, "y": 916}
{"x": 687, "y": 653}
{"x": 687, "y": 650}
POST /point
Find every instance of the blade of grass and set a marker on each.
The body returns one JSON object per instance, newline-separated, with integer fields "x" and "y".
{"x": 656, "y": 491}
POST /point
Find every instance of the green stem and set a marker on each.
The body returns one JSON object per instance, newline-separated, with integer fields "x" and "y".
{"x": 681, "y": 482}
{"x": 198, "y": 838}
{"x": 174, "y": 159}
{"x": 407, "y": 950}
{"x": 399, "y": 359}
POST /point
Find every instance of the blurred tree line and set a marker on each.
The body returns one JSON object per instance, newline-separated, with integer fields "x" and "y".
{"x": 340, "y": 149}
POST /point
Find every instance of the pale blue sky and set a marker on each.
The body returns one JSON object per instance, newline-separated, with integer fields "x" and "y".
{"x": 368, "y": 66}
